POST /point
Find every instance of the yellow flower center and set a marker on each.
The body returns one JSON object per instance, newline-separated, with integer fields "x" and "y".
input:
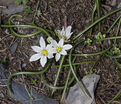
{"x": 44, "y": 52}
{"x": 58, "y": 49}
{"x": 64, "y": 37}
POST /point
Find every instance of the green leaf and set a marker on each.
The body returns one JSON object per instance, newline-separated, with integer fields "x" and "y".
{"x": 18, "y": 2}
{"x": 24, "y": 2}
{"x": 38, "y": 13}
{"x": 29, "y": 10}
{"x": 119, "y": 74}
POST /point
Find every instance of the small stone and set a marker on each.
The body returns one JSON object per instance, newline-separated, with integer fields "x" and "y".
{"x": 13, "y": 47}
{"x": 24, "y": 65}
{"x": 9, "y": 7}
{"x": 21, "y": 94}
{"x": 2, "y": 69}
{"x": 1, "y": 95}
{"x": 119, "y": 5}
{"x": 113, "y": 3}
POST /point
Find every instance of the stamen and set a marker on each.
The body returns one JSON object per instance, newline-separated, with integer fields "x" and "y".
{"x": 44, "y": 52}
{"x": 58, "y": 49}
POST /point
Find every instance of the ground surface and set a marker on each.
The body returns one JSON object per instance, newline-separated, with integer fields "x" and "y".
{"x": 55, "y": 15}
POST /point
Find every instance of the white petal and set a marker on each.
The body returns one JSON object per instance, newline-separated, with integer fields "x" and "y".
{"x": 50, "y": 55}
{"x": 63, "y": 31}
{"x": 69, "y": 35}
{"x": 36, "y": 48}
{"x": 54, "y": 43}
{"x": 59, "y": 32}
{"x": 53, "y": 50}
{"x": 63, "y": 52}
{"x": 42, "y": 42}
{"x": 57, "y": 57}
{"x": 68, "y": 30}
{"x": 61, "y": 42}
{"x": 35, "y": 57}
{"x": 43, "y": 60}
{"x": 49, "y": 46}
{"x": 67, "y": 47}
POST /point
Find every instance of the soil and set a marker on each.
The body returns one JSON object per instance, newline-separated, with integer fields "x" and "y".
{"x": 55, "y": 15}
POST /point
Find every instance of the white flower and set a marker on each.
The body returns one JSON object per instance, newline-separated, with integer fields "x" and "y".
{"x": 60, "y": 48}
{"x": 43, "y": 52}
{"x": 65, "y": 33}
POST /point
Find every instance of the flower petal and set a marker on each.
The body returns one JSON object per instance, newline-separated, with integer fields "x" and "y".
{"x": 68, "y": 30}
{"x": 49, "y": 46}
{"x": 57, "y": 56}
{"x": 35, "y": 57}
{"x": 69, "y": 35}
{"x": 67, "y": 47}
{"x": 61, "y": 42}
{"x": 62, "y": 31}
{"x": 50, "y": 55}
{"x": 42, "y": 43}
{"x": 54, "y": 43}
{"x": 43, "y": 60}
{"x": 59, "y": 32}
{"x": 63, "y": 52}
{"x": 36, "y": 48}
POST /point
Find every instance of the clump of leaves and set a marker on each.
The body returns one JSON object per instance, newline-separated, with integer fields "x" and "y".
{"x": 116, "y": 50}
{"x": 99, "y": 37}
{"x": 91, "y": 71}
{"x": 28, "y": 10}
{"x": 88, "y": 41}
{"x": 38, "y": 13}
{"x": 18, "y": 2}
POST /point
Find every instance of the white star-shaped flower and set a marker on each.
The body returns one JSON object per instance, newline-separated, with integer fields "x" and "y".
{"x": 60, "y": 48}
{"x": 43, "y": 52}
{"x": 65, "y": 33}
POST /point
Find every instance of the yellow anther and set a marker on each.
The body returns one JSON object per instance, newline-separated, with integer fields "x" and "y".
{"x": 44, "y": 52}
{"x": 58, "y": 49}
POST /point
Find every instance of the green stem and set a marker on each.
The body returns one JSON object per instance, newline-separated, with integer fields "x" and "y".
{"x": 111, "y": 38}
{"x": 118, "y": 95}
{"x": 98, "y": 13}
{"x": 57, "y": 76}
{"x": 117, "y": 63}
{"x": 85, "y": 91}
{"x": 67, "y": 80}
{"x": 117, "y": 31}
{"x": 102, "y": 18}
{"x": 113, "y": 56}
{"x": 113, "y": 24}
{"x": 24, "y": 73}
{"x": 92, "y": 54}
{"x": 74, "y": 64}
{"x": 55, "y": 87}
{"x": 24, "y": 26}
{"x": 92, "y": 18}
{"x": 21, "y": 26}
{"x": 66, "y": 85}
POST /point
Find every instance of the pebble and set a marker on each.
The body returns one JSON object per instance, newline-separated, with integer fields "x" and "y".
{"x": 24, "y": 65}
{"x": 14, "y": 47}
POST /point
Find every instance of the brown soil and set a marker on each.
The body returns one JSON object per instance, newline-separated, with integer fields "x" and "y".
{"x": 55, "y": 15}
